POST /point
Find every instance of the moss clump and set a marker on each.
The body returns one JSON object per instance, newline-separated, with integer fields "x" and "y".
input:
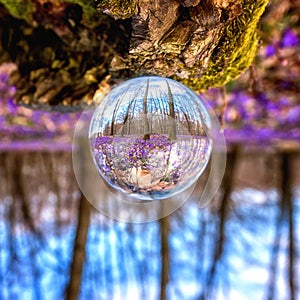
{"x": 235, "y": 51}
{"x": 19, "y": 9}
{"x": 118, "y": 9}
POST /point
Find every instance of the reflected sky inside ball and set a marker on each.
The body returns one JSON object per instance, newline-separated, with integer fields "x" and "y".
{"x": 128, "y": 98}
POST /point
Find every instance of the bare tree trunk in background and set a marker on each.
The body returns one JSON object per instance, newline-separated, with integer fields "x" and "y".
{"x": 79, "y": 251}
{"x": 273, "y": 271}
{"x": 64, "y": 49}
{"x": 165, "y": 256}
{"x": 222, "y": 214}
{"x": 145, "y": 114}
{"x": 15, "y": 163}
{"x": 287, "y": 201}
{"x": 172, "y": 131}
{"x": 285, "y": 217}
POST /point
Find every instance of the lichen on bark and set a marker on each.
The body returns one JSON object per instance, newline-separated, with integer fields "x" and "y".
{"x": 64, "y": 49}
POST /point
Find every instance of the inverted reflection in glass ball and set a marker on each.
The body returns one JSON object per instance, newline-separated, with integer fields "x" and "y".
{"x": 149, "y": 138}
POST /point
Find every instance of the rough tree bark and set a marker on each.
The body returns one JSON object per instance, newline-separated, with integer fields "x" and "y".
{"x": 65, "y": 50}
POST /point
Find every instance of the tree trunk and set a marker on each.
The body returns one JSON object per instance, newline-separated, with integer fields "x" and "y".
{"x": 79, "y": 251}
{"x": 66, "y": 50}
{"x": 288, "y": 209}
{"x": 165, "y": 256}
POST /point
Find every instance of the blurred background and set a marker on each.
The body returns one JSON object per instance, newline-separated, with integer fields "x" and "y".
{"x": 244, "y": 245}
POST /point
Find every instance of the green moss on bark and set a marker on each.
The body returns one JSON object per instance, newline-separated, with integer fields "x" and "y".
{"x": 19, "y": 9}
{"x": 235, "y": 51}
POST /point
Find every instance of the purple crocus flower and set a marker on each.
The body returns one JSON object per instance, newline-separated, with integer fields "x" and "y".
{"x": 138, "y": 152}
{"x": 270, "y": 50}
{"x": 293, "y": 115}
{"x": 283, "y": 102}
{"x": 289, "y": 38}
{"x": 12, "y": 106}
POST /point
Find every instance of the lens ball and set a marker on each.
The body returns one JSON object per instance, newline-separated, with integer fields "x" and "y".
{"x": 149, "y": 138}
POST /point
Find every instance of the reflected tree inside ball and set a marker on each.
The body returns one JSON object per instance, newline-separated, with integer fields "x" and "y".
{"x": 149, "y": 138}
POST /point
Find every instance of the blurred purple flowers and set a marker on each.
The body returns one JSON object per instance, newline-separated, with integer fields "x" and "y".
{"x": 251, "y": 120}
{"x": 288, "y": 39}
{"x": 7, "y": 91}
{"x": 20, "y": 123}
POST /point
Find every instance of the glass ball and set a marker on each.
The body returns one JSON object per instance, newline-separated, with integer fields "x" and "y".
{"x": 149, "y": 138}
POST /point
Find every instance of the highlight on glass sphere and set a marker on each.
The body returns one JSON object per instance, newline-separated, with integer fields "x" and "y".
{"x": 149, "y": 138}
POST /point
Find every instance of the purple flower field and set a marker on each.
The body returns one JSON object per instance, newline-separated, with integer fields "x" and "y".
{"x": 22, "y": 128}
{"x": 150, "y": 168}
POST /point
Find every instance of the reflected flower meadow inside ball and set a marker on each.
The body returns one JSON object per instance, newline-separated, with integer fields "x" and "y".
{"x": 149, "y": 138}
